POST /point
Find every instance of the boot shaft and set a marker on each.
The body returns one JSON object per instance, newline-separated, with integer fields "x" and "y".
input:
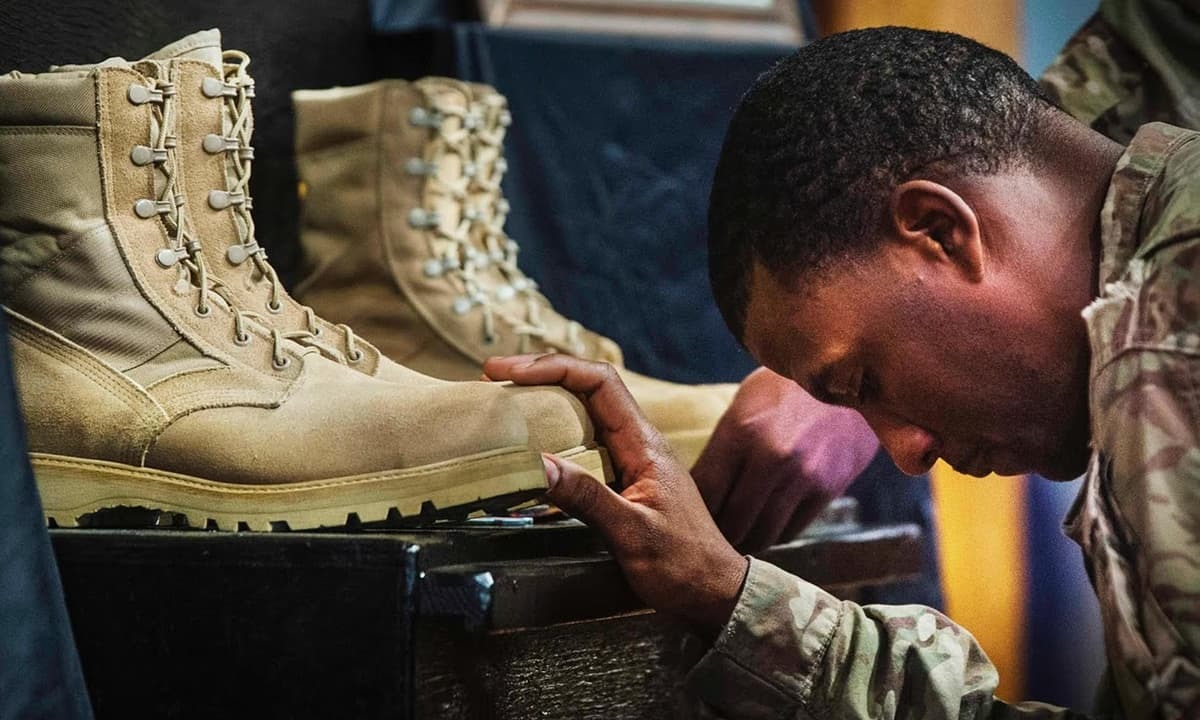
{"x": 354, "y": 200}
{"x": 404, "y": 177}
{"x": 96, "y": 244}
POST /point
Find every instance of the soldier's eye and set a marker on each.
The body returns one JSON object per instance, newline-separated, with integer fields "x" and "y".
{"x": 868, "y": 389}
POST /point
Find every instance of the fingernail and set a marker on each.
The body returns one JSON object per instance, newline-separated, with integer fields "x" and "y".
{"x": 552, "y": 471}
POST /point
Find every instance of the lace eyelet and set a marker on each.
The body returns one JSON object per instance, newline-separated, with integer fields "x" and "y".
{"x": 203, "y": 310}
{"x": 489, "y": 339}
{"x": 274, "y": 307}
{"x": 242, "y": 340}
{"x": 281, "y": 365}
{"x": 318, "y": 331}
{"x": 355, "y": 356}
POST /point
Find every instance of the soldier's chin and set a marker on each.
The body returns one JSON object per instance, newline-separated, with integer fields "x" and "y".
{"x": 1066, "y": 466}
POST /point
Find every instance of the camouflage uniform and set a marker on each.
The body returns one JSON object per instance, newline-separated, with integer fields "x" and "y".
{"x": 792, "y": 650}
{"x": 1134, "y": 62}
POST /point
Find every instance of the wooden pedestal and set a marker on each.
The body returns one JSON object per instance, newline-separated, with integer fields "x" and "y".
{"x": 439, "y": 623}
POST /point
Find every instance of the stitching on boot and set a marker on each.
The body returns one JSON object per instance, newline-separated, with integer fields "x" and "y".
{"x": 64, "y": 130}
{"x": 151, "y": 416}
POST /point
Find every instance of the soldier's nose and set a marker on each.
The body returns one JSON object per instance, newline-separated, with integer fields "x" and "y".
{"x": 913, "y": 448}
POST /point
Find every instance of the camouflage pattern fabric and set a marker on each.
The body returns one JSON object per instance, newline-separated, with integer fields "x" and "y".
{"x": 1138, "y": 515}
{"x": 1134, "y": 62}
{"x": 792, "y": 650}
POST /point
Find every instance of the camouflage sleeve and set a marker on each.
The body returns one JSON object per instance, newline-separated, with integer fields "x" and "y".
{"x": 792, "y": 650}
{"x": 1138, "y": 518}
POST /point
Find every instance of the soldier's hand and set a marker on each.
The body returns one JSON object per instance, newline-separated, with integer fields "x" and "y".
{"x": 658, "y": 527}
{"x": 776, "y": 460}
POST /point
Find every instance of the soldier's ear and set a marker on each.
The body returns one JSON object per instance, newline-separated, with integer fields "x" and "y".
{"x": 936, "y": 224}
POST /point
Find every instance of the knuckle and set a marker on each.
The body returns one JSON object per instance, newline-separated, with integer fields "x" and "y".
{"x": 587, "y": 496}
{"x": 607, "y": 372}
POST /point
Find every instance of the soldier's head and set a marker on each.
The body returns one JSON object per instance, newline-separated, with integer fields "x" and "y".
{"x": 902, "y": 223}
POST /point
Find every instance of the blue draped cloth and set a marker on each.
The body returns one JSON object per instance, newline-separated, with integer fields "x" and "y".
{"x": 40, "y": 675}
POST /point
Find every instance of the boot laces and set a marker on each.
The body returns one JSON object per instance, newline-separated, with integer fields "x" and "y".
{"x": 455, "y": 253}
{"x": 184, "y": 251}
{"x": 237, "y": 92}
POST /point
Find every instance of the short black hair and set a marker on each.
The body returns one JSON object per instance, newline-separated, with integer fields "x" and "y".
{"x": 821, "y": 139}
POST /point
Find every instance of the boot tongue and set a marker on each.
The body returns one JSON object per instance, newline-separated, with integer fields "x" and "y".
{"x": 204, "y": 46}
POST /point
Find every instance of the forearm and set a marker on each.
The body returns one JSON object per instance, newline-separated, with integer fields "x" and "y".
{"x": 792, "y": 650}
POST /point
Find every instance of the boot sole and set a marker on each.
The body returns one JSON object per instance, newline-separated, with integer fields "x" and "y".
{"x": 75, "y": 490}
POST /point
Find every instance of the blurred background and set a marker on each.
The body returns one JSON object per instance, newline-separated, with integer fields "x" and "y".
{"x": 614, "y": 140}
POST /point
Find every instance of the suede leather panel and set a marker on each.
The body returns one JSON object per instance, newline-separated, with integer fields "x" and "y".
{"x": 338, "y": 422}
{"x": 76, "y": 405}
{"x": 554, "y": 418}
{"x": 356, "y": 288}
{"x": 199, "y": 116}
{"x": 254, "y": 380}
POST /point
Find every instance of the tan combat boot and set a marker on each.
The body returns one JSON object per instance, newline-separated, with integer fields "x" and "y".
{"x": 214, "y": 144}
{"x": 143, "y": 384}
{"x": 402, "y": 230}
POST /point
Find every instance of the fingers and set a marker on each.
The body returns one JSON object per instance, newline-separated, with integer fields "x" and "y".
{"x": 597, "y": 382}
{"x": 584, "y": 497}
{"x": 500, "y": 368}
{"x": 808, "y": 511}
{"x": 629, "y": 437}
{"x": 742, "y": 511}
{"x": 784, "y": 517}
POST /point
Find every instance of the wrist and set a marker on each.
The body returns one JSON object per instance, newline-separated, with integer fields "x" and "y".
{"x": 722, "y": 591}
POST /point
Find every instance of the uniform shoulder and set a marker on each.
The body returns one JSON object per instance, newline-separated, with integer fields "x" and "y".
{"x": 1171, "y": 211}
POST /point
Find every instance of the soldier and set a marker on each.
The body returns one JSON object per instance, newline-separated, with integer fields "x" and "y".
{"x": 902, "y": 224}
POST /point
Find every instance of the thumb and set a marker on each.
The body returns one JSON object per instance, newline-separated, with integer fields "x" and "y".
{"x": 583, "y": 496}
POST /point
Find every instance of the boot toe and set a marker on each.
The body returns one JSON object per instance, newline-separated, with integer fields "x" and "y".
{"x": 555, "y": 419}
{"x": 338, "y": 423}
